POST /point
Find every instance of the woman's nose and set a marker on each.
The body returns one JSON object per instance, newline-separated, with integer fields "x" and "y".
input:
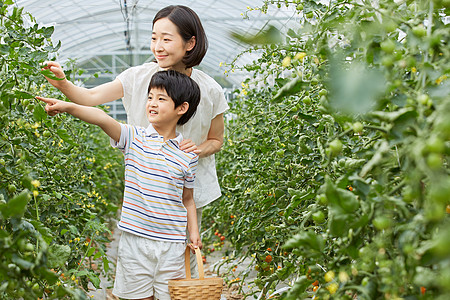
{"x": 158, "y": 46}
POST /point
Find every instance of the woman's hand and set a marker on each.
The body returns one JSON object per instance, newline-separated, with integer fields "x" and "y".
{"x": 57, "y": 70}
{"x": 189, "y": 146}
{"x": 54, "y": 106}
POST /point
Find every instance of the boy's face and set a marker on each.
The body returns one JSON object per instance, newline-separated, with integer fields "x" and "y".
{"x": 161, "y": 108}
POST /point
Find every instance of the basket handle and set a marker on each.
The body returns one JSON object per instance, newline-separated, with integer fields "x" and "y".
{"x": 187, "y": 263}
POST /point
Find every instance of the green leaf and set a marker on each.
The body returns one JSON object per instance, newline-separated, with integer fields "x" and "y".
{"x": 58, "y": 255}
{"x": 50, "y": 276}
{"x": 308, "y": 240}
{"x": 354, "y": 87}
{"x": 62, "y": 133}
{"x": 94, "y": 280}
{"x": 22, "y": 263}
{"x": 23, "y": 95}
{"x": 48, "y": 31}
{"x": 4, "y": 49}
{"x": 105, "y": 263}
{"x": 16, "y": 206}
{"x": 90, "y": 252}
{"x": 39, "y": 113}
{"x": 271, "y": 35}
{"x": 49, "y": 74}
{"x": 292, "y": 87}
{"x": 46, "y": 233}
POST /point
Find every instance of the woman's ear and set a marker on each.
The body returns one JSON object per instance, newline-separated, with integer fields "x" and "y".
{"x": 191, "y": 44}
{"x": 182, "y": 108}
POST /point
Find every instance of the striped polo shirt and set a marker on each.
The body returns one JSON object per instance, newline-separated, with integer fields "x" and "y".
{"x": 155, "y": 174}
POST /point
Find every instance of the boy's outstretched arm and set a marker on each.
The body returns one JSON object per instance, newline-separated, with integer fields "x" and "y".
{"x": 88, "y": 114}
{"x": 188, "y": 202}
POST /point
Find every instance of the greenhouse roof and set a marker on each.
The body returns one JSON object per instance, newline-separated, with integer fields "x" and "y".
{"x": 89, "y": 29}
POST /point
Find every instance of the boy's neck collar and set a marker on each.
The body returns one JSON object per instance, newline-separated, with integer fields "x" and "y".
{"x": 176, "y": 136}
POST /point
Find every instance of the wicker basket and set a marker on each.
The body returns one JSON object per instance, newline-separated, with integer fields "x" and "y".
{"x": 192, "y": 288}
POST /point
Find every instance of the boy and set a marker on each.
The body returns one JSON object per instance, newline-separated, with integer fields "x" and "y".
{"x": 158, "y": 199}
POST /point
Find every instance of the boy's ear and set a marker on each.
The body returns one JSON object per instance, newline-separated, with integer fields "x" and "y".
{"x": 182, "y": 108}
{"x": 191, "y": 44}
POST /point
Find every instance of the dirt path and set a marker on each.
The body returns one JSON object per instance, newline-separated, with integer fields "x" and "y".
{"x": 105, "y": 292}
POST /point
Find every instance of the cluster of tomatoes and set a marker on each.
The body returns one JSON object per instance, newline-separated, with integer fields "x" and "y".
{"x": 221, "y": 237}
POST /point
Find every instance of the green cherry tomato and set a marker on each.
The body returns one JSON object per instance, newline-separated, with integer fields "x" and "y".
{"x": 322, "y": 199}
{"x": 318, "y": 217}
{"x": 335, "y": 147}
{"x": 323, "y": 92}
{"x": 435, "y": 145}
{"x": 387, "y": 61}
{"x": 12, "y": 188}
{"x": 280, "y": 153}
{"x": 306, "y": 100}
{"x": 381, "y": 222}
{"x": 434, "y": 161}
{"x": 46, "y": 133}
{"x": 365, "y": 281}
{"x": 388, "y": 46}
{"x": 358, "y": 127}
{"x": 423, "y": 99}
{"x": 419, "y": 30}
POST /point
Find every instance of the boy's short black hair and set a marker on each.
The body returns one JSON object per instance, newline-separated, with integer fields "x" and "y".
{"x": 181, "y": 88}
{"x": 189, "y": 25}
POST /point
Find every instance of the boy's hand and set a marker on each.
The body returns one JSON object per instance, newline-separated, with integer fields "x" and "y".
{"x": 56, "y": 69}
{"x": 189, "y": 146}
{"x": 195, "y": 243}
{"x": 54, "y": 106}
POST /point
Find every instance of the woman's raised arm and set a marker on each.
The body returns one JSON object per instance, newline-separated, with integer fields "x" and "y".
{"x": 101, "y": 94}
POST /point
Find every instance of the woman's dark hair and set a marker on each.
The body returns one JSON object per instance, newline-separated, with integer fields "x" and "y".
{"x": 189, "y": 25}
{"x": 181, "y": 88}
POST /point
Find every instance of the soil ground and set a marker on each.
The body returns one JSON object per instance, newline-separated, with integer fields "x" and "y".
{"x": 105, "y": 291}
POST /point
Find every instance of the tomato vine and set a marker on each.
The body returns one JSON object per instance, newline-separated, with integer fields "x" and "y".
{"x": 336, "y": 154}
{"x": 61, "y": 182}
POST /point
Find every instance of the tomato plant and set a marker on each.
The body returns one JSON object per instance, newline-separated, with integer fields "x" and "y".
{"x": 355, "y": 126}
{"x": 60, "y": 181}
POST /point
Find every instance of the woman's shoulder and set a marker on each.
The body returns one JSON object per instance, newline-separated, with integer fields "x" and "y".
{"x": 205, "y": 81}
{"x": 146, "y": 67}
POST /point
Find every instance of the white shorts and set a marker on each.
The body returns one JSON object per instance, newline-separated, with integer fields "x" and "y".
{"x": 145, "y": 266}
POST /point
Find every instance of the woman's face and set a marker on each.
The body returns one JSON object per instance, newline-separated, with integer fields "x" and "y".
{"x": 168, "y": 46}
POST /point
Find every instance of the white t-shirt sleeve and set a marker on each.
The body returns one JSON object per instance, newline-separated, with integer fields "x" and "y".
{"x": 220, "y": 104}
{"x": 126, "y": 135}
{"x": 127, "y": 80}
